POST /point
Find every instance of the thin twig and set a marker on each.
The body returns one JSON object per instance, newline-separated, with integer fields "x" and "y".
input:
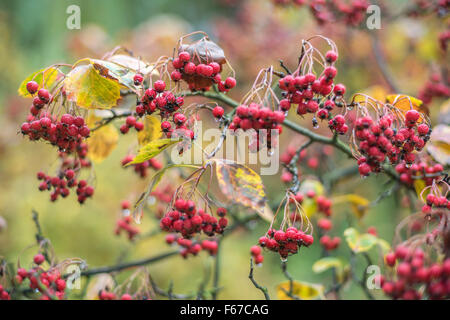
{"x": 257, "y": 286}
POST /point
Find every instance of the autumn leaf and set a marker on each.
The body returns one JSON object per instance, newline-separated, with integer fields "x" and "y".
{"x": 241, "y": 184}
{"x": 327, "y": 263}
{"x": 152, "y": 130}
{"x": 44, "y": 78}
{"x": 439, "y": 145}
{"x": 101, "y": 141}
{"x": 405, "y": 103}
{"x": 152, "y": 149}
{"x": 359, "y": 205}
{"x": 359, "y": 242}
{"x": 302, "y": 290}
{"x": 89, "y": 89}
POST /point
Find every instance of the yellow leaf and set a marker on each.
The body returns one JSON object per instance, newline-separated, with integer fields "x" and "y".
{"x": 327, "y": 263}
{"x": 44, "y": 79}
{"x": 302, "y": 290}
{"x": 101, "y": 141}
{"x": 89, "y": 89}
{"x": 419, "y": 185}
{"x": 405, "y": 103}
{"x": 152, "y": 130}
{"x": 152, "y": 149}
{"x": 359, "y": 242}
{"x": 439, "y": 145}
{"x": 359, "y": 205}
{"x": 377, "y": 92}
{"x": 241, "y": 184}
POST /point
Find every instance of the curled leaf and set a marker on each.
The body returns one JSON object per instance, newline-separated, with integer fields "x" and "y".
{"x": 327, "y": 263}
{"x": 300, "y": 289}
{"x": 241, "y": 184}
{"x": 152, "y": 149}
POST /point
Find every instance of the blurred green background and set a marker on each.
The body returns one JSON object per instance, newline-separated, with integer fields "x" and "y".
{"x": 33, "y": 35}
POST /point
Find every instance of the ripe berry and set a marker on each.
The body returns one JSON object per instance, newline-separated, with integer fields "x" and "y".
{"x": 44, "y": 95}
{"x": 138, "y": 78}
{"x": 32, "y": 87}
{"x": 184, "y": 56}
{"x": 230, "y": 83}
{"x": 159, "y": 86}
{"x": 218, "y": 112}
{"x": 39, "y": 258}
{"x": 412, "y": 116}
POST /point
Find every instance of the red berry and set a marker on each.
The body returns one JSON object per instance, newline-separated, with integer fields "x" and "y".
{"x": 32, "y": 87}
{"x": 159, "y": 86}
{"x": 230, "y": 83}
{"x": 39, "y": 258}
{"x": 218, "y": 112}
{"x": 184, "y": 56}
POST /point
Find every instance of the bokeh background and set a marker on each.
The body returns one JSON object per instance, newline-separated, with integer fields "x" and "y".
{"x": 254, "y": 34}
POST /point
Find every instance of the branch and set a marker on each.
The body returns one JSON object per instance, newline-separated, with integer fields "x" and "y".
{"x": 257, "y": 286}
{"x": 127, "y": 265}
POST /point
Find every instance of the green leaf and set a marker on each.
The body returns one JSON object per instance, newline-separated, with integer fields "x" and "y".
{"x": 359, "y": 242}
{"x": 152, "y": 149}
{"x": 90, "y": 89}
{"x": 241, "y": 184}
{"x": 47, "y": 79}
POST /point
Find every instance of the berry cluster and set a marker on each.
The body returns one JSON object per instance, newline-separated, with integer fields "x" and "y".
{"x": 157, "y": 99}
{"x": 352, "y": 13}
{"x": 256, "y": 253}
{"x": 142, "y": 168}
{"x": 435, "y": 87}
{"x": 67, "y": 133}
{"x": 131, "y": 122}
{"x": 256, "y": 116}
{"x": 421, "y": 170}
{"x": 4, "y": 295}
{"x": 285, "y": 242}
{"x": 124, "y": 223}
{"x": 378, "y": 140}
{"x": 188, "y": 221}
{"x": 413, "y": 271}
{"x": 107, "y": 295}
{"x": 192, "y": 247}
{"x": 63, "y": 182}
{"x": 200, "y": 75}
{"x": 47, "y": 282}
{"x": 180, "y": 129}
{"x": 43, "y": 97}
{"x": 434, "y": 201}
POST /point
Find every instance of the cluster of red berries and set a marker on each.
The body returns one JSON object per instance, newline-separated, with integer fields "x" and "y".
{"x": 62, "y": 183}
{"x": 285, "y": 242}
{"x": 433, "y": 201}
{"x": 142, "y": 168}
{"x": 256, "y": 253}
{"x": 337, "y": 124}
{"x": 413, "y": 272}
{"x": 4, "y": 295}
{"x": 192, "y": 247}
{"x": 378, "y": 141}
{"x": 47, "y": 282}
{"x": 124, "y": 223}
{"x": 107, "y": 295}
{"x": 351, "y": 13}
{"x": 435, "y": 87}
{"x": 180, "y": 129}
{"x": 158, "y": 99}
{"x": 256, "y": 116}
{"x": 327, "y": 242}
{"x": 43, "y": 97}
{"x": 67, "y": 133}
{"x": 420, "y": 170}
{"x": 131, "y": 122}
{"x": 199, "y": 75}
{"x": 187, "y": 220}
